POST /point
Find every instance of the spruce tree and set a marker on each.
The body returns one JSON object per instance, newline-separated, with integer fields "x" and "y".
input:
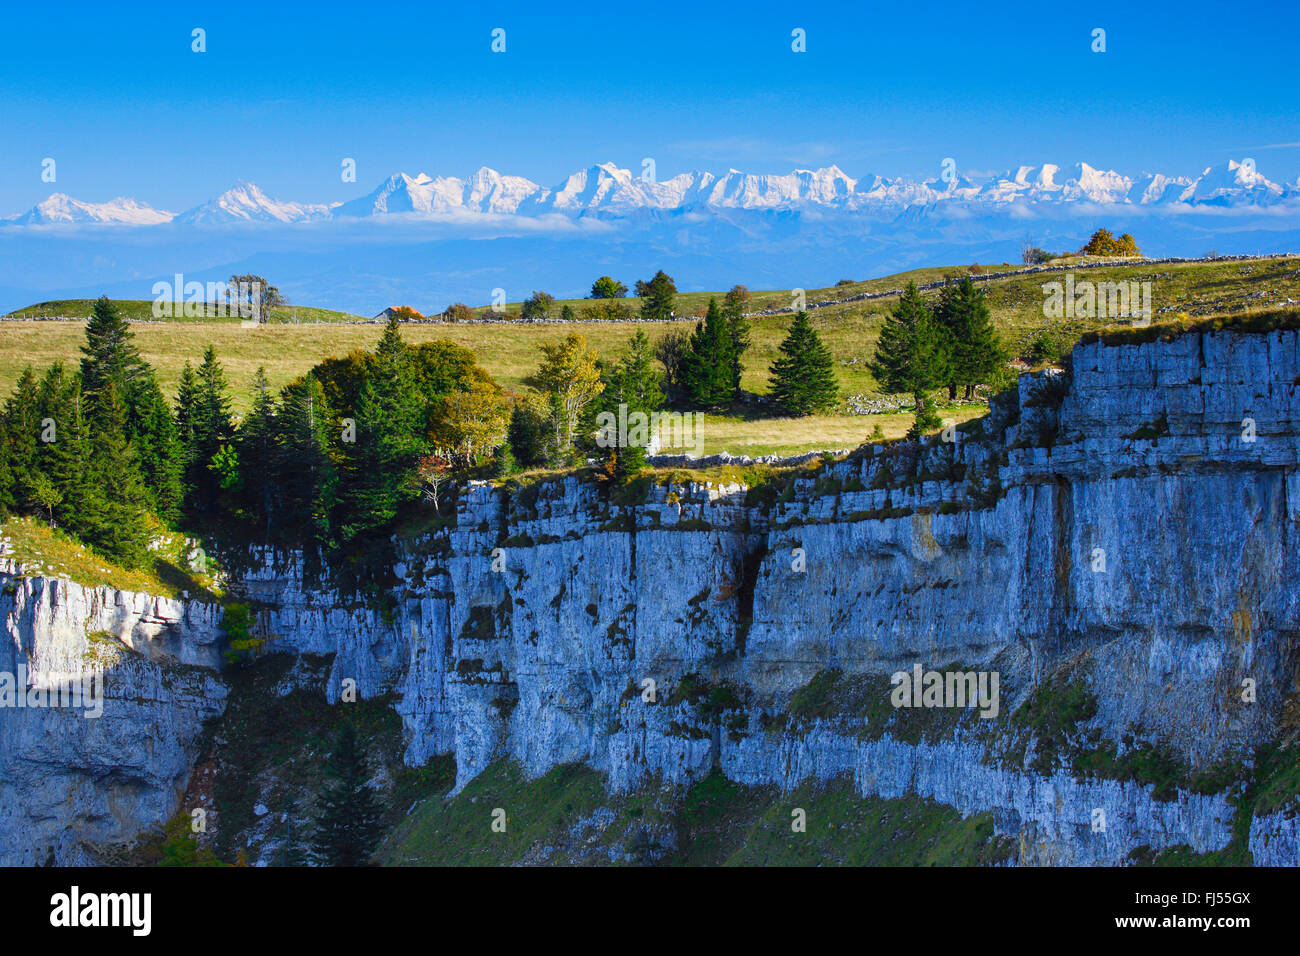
{"x": 803, "y": 379}
{"x": 307, "y": 476}
{"x": 379, "y": 466}
{"x": 526, "y": 434}
{"x": 110, "y": 514}
{"x": 210, "y": 428}
{"x": 187, "y": 400}
{"x": 65, "y": 460}
{"x": 707, "y": 368}
{"x": 962, "y": 313}
{"x": 911, "y": 356}
{"x": 258, "y": 452}
{"x": 347, "y": 827}
{"x": 733, "y": 308}
{"x": 22, "y": 435}
{"x": 637, "y": 384}
{"x": 159, "y": 448}
{"x": 110, "y": 354}
{"x": 659, "y": 297}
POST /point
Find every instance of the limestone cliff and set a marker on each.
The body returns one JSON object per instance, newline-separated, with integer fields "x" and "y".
{"x": 1118, "y": 543}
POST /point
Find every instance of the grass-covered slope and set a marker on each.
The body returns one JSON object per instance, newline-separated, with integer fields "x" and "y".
{"x": 565, "y": 817}
{"x": 174, "y": 566}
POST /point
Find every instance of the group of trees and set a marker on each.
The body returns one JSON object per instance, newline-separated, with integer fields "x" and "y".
{"x": 94, "y": 449}
{"x": 334, "y": 454}
{"x": 951, "y": 345}
{"x": 1102, "y": 243}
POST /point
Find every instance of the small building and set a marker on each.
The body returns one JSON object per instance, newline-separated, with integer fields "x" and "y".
{"x": 403, "y": 313}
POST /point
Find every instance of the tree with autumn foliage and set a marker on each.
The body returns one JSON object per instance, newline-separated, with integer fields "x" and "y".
{"x": 1102, "y": 243}
{"x": 570, "y": 379}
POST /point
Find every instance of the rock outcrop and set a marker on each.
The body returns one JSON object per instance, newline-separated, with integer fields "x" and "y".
{"x": 74, "y": 778}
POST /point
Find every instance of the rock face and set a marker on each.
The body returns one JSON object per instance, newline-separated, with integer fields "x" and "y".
{"x": 1128, "y": 529}
{"x": 71, "y": 778}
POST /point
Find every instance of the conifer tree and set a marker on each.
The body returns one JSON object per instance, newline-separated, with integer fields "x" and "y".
{"x": 910, "y": 356}
{"x": 258, "y": 453}
{"x": 210, "y": 428}
{"x": 659, "y": 297}
{"x": 159, "y": 449}
{"x": 63, "y": 452}
{"x": 110, "y": 512}
{"x": 803, "y": 379}
{"x": 707, "y": 372}
{"x": 110, "y": 354}
{"x": 962, "y": 312}
{"x": 733, "y": 308}
{"x": 347, "y": 827}
{"x": 307, "y": 475}
{"x": 379, "y": 466}
{"x": 638, "y": 385}
{"x": 22, "y": 421}
{"x": 187, "y": 400}
{"x": 526, "y": 434}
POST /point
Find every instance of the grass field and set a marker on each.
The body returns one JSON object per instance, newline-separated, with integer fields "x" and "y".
{"x": 510, "y": 351}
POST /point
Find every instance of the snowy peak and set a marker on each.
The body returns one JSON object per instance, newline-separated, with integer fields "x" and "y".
{"x": 1229, "y": 184}
{"x": 244, "y": 202}
{"x": 61, "y": 208}
{"x": 606, "y": 190}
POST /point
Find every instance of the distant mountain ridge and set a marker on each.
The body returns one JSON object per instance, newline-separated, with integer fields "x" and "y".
{"x": 609, "y": 191}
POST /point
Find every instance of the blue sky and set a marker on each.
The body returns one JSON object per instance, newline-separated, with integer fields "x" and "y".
{"x": 282, "y": 96}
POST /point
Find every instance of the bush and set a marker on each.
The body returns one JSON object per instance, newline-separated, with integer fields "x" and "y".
{"x": 538, "y": 305}
{"x": 1046, "y": 347}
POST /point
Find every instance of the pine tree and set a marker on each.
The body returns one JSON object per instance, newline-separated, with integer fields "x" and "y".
{"x": 911, "y": 356}
{"x": 803, "y": 379}
{"x": 962, "y": 313}
{"x": 707, "y": 371}
{"x": 347, "y": 827}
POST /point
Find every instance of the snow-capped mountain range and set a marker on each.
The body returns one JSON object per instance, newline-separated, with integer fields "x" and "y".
{"x": 608, "y": 191}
